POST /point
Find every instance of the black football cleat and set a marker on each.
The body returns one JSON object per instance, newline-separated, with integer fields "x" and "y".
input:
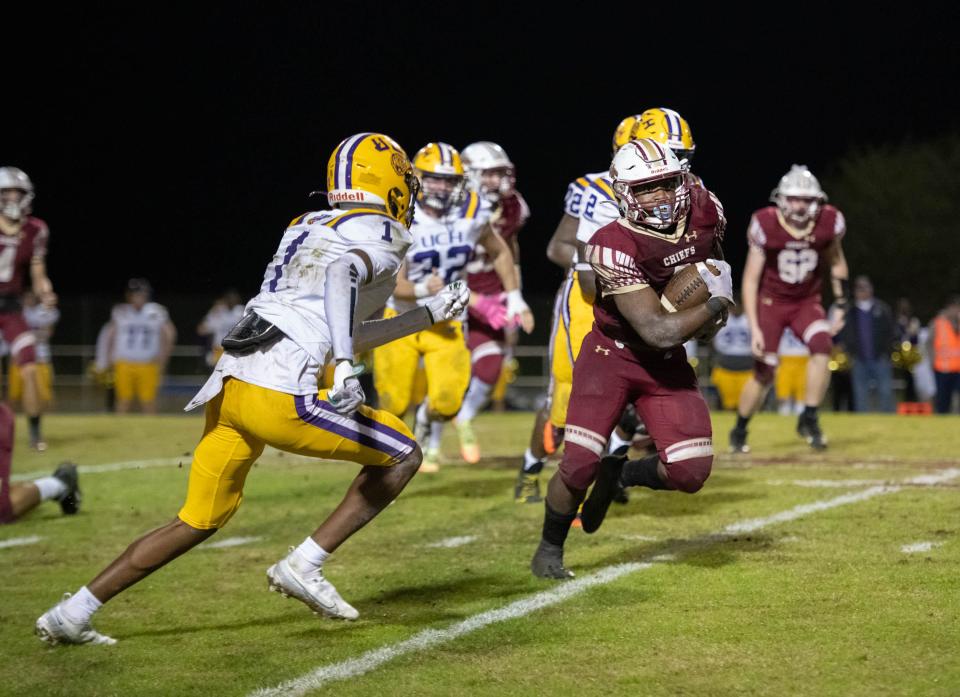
{"x": 738, "y": 441}
{"x": 547, "y": 562}
{"x": 809, "y": 430}
{"x": 602, "y": 494}
{"x": 66, "y": 472}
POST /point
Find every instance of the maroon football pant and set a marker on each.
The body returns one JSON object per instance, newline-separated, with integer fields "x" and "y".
{"x": 663, "y": 388}
{"x": 487, "y": 348}
{"x": 6, "y": 455}
{"x": 806, "y": 319}
{"x": 14, "y": 329}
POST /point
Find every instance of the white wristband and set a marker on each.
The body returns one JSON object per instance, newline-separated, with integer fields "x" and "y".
{"x": 582, "y": 266}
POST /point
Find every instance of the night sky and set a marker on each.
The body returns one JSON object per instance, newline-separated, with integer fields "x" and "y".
{"x": 177, "y": 145}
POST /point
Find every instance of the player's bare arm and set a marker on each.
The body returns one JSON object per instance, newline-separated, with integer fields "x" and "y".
{"x": 563, "y": 245}
{"x": 661, "y": 329}
{"x": 168, "y": 338}
{"x": 41, "y": 283}
{"x": 749, "y": 289}
{"x": 408, "y": 290}
{"x": 839, "y": 274}
{"x": 502, "y": 260}
{"x": 586, "y": 278}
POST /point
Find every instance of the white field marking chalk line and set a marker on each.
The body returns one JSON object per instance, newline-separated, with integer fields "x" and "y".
{"x": 428, "y": 638}
{"x": 920, "y": 547}
{"x": 142, "y": 464}
{"x": 229, "y": 542}
{"x": 19, "y": 541}
{"x": 827, "y": 483}
{"x": 111, "y": 467}
{"x": 450, "y": 542}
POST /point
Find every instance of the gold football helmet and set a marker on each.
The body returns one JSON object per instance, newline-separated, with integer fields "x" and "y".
{"x": 443, "y": 182}
{"x": 372, "y": 169}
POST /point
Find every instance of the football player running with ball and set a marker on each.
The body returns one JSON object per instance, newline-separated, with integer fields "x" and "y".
{"x": 634, "y": 352}
{"x": 450, "y": 222}
{"x": 332, "y": 270}
{"x": 790, "y": 244}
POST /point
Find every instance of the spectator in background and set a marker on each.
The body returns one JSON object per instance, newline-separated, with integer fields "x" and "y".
{"x": 139, "y": 340}
{"x": 840, "y": 383}
{"x": 101, "y": 369}
{"x": 868, "y": 337}
{"x": 907, "y": 354}
{"x": 945, "y": 349}
{"x": 41, "y": 319}
{"x": 733, "y": 358}
{"x": 227, "y": 310}
{"x": 790, "y": 384}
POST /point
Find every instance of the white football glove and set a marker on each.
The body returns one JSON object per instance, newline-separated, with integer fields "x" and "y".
{"x": 719, "y": 286}
{"x": 346, "y": 395}
{"x": 449, "y": 303}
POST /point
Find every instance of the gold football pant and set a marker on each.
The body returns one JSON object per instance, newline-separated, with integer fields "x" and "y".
{"x": 44, "y": 382}
{"x": 572, "y": 321}
{"x": 243, "y": 418}
{"x": 446, "y": 362}
{"x": 136, "y": 379}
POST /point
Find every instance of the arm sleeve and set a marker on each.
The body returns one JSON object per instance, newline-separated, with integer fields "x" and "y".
{"x": 617, "y": 272}
{"x": 340, "y": 295}
{"x": 755, "y": 235}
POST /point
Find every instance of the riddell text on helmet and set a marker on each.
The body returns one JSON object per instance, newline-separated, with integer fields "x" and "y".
{"x": 339, "y": 196}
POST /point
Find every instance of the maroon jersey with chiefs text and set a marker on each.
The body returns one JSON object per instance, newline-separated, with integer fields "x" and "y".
{"x": 793, "y": 268}
{"x": 626, "y": 259}
{"x": 509, "y": 216}
{"x": 16, "y": 253}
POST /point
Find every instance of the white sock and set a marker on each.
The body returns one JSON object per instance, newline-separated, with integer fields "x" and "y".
{"x": 531, "y": 463}
{"x": 50, "y": 488}
{"x": 616, "y": 442}
{"x": 80, "y": 606}
{"x": 436, "y": 435}
{"x": 475, "y": 399}
{"x": 309, "y": 556}
{"x": 422, "y": 416}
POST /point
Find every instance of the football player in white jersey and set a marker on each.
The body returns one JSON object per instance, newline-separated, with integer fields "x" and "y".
{"x": 227, "y": 310}
{"x": 140, "y": 338}
{"x": 330, "y": 272}
{"x": 450, "y": 222}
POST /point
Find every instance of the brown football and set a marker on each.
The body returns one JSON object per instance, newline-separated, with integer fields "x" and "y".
{"x": 686, "y": 289}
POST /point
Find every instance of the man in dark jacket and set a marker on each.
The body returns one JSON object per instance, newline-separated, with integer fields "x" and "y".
{"x": 868, "y": 337}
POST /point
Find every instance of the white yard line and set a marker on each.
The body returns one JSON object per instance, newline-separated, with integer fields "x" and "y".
{"x": 920, "y": 547}
{"x": 827, "y": 483}
{"x": 451, "y": 542}
{"x": 229, "y": 542}
{"x": 430, "y": 638}
{"x": 171, "y": 461}
{"x": 19, "y": 541}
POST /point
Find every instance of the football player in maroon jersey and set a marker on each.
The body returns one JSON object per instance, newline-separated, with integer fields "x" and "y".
{"x": 790, "y": 245}
{"x": 17, "y": 499}
{"x": 492, "y": 175}
{"x": 23, "y": 248}
{"x": 634, "y": 352}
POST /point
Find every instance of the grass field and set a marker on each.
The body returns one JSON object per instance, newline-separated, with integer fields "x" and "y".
{"x": 675, "y": 595}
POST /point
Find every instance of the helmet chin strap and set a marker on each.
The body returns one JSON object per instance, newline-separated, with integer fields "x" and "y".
{"x": 13, "y": 210}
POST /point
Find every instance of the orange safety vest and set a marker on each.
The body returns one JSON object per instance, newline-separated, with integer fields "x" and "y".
{"x": 946, "y": 347}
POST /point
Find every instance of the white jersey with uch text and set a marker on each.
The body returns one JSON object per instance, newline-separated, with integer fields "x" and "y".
{"x": 444, "y": 245}
{"x": 138, "y": 333}
{"x": 292, "y": 297}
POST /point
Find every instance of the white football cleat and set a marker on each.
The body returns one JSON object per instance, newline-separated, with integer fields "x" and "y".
{"x": 311, "y": 589}
{"x": 53, "y": 627}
